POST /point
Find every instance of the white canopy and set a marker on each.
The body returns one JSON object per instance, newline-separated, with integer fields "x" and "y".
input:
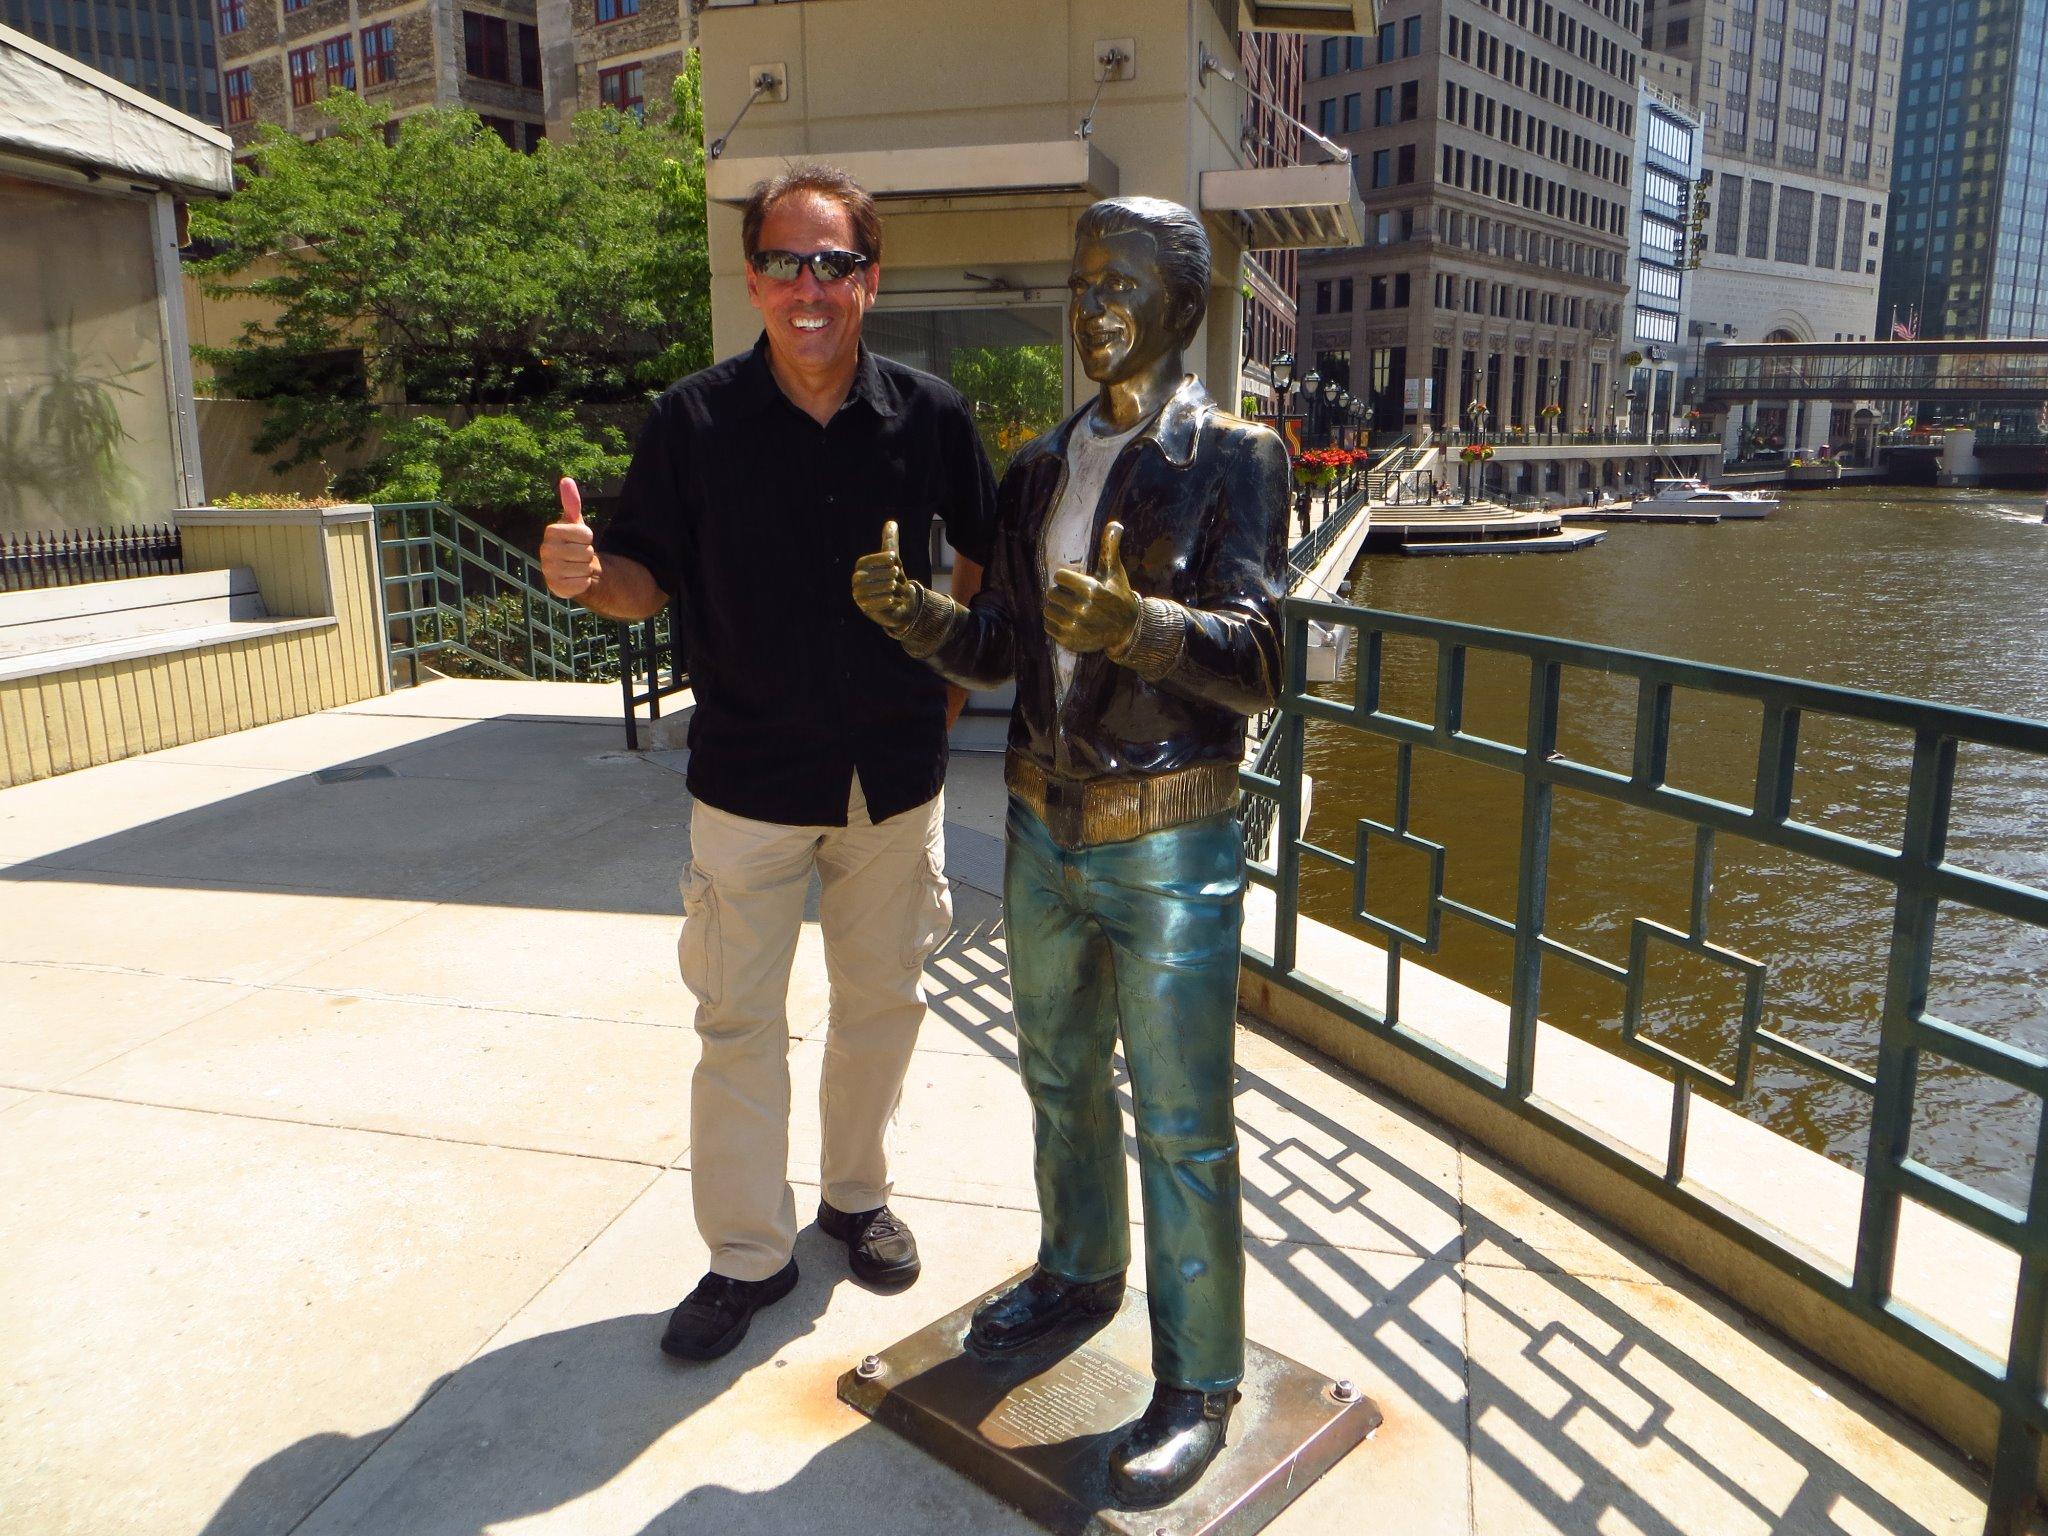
{"x": 55, "y": 110}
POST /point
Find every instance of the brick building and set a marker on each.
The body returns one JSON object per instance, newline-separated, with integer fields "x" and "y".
{"x": 280, "y": 58}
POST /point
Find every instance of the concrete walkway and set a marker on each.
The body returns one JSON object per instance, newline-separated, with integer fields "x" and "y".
{"x": 345, "y": 1131}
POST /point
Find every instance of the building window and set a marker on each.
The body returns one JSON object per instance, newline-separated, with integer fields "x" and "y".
{"x": 1411, "y": 100}
{"x": 1728, "y": 215}
{"x": 1795, "y": 225}
{"x": 232, "y": 16}
{"x": 295, "y": 5}
{"x": 1326, "y": 116}
{"x": 338, "y": 63}
{"x": 305, "y": 66}
{"x": 620, "y": 89}
{"x": 1411, "y": 37}
{"x": 1330, "y": 47}
{"x": 614, "y": 10}
{"x": 486, "y": 47}
{"x": 238, "y": 95}
{"x": 1323, "y": 297}
{"x": 529, "y": 56}
{"x": 1825, "y": 231}
{"x": 380, "y": 54}
{"x": 1353, "y": 113}
{"x": 1677, "y": 33}
{"x": 1758, "y": 240}
{"x": 1382, "y": 168}
{"x": 1383, "y": 106}
{"x": 1343, "y": 295}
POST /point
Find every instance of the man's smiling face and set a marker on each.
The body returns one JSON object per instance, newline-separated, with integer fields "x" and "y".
{"x": 812, "y": 326}
{"x": 1120, "y": 308}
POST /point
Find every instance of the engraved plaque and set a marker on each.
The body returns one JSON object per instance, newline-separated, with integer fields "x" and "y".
{"x": 1035, "y": 1428}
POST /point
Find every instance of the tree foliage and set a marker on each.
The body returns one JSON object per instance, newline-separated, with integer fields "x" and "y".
{"x": 464, "y": 274}
{"x": 1015, "y": 391}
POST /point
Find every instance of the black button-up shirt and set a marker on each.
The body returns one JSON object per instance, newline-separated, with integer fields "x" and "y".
{"x": 744, "y": 508}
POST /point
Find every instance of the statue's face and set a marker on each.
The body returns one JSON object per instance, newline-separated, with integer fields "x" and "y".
{"x": 1120, "y": 309}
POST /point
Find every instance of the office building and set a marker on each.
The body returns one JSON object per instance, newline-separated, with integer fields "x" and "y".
{"x": 1270, "y": 65}
{"x": 1494, "y": 149}
{"x": 1797, "y": 102}
{"x": 163, "y": 48}
{"x": 1667, "y": 214}
{"x": 280, "y": 58}
{"x": 1966, "y": 253}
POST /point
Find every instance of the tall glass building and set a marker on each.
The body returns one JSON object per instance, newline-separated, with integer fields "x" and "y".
{"x": 1967, "y": 250}
{"x": 164, "y": 48}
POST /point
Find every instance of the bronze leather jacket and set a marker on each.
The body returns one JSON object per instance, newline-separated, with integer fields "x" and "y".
{"x": 1203, "y": 498}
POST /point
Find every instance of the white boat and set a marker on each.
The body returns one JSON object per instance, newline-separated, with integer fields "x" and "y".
{"x": 1688, "y": 493}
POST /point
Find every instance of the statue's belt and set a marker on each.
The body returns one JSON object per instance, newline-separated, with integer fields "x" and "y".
{"x": 1080, "y": 813}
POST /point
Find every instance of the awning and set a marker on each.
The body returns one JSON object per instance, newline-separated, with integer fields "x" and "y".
{"x": 1290, "y": 207}
{"x": 1306, "y": 16}
{"x": 964, "y": 170}
{"x": 56, "y": 111}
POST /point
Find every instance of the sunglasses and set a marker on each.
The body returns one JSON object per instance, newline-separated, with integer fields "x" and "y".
{"x": 826, "y": 266}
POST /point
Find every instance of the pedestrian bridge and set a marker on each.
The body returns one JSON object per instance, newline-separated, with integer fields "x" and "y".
{"x": 1931, "y": 371}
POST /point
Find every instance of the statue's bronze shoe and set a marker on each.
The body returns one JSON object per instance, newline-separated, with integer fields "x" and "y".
{"x": 1167, "y": 1450}
{"x": 1040, "y": 1304}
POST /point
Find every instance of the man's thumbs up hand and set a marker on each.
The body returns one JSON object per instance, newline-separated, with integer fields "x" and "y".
{"x": 882, "y": 589}
{"x": 1093, "y": 613}
{"x": 568, "y": 549}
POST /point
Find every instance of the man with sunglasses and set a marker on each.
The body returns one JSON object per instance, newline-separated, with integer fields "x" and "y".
{"x": 817, "y": 745}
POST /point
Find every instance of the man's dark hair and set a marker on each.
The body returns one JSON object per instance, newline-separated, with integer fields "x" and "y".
{"x": 826, "y": 181}
{"x": 1182, "y": 243}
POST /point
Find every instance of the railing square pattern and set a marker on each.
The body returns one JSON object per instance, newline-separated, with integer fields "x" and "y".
{"x": 1917, "y": 870}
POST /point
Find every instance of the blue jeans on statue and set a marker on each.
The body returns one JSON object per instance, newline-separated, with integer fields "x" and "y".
{"x": 1137, "y": 938}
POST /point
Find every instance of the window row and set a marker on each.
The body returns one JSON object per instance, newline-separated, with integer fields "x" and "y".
{"x": 1481, "y": 49}
{"x": 491, "y": 46}
{"x": 1506, "y": 301}
{"x": 1513, "y": 242}
{"x": 1819, "y": 230}
{"x": 1539, "y": 194}
{"x": 1388, "y": 291}
{"x": 1525, "y": 130}
{"x": 317, "y": 68}
{"x": 1556, "y": 25}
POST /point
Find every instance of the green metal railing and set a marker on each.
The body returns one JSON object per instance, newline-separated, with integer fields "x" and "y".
{"x": 459, "y": 594}
{"x": 455, "y": 591}
{"x": 1918, "y": 874}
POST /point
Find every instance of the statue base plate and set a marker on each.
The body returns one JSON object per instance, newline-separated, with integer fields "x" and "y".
{"x": 1035, "y": 1428}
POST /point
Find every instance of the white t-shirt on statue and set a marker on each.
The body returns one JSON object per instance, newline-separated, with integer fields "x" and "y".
{"x": 1068, "y": 532}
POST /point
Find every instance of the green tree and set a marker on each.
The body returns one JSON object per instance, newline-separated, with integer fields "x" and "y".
{"x": 1015, "y": 392}
{"x": 463, "y": 274}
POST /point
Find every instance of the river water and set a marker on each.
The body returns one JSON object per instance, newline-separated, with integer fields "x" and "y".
{"x": 1939, "y": 595}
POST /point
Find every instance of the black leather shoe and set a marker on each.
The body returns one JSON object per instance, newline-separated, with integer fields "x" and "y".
{"x": 1039, "y": 1304}
{"x": 879, "y": 1248}
{"x": 714, "y": 1317}
{"x": 1166, "y": 1452}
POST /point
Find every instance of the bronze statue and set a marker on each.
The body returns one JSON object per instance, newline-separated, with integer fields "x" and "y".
{"x": 1124, "y": 882}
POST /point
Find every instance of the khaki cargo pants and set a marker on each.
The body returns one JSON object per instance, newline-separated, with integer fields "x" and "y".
{"x": 884, "y": 909}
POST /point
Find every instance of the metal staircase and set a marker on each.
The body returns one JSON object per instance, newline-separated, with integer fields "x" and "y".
{"x": 462, "y": 601}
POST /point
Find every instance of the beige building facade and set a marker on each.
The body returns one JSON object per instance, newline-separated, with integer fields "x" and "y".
{"x": 982, "y": 143}
{"x": 1494, "y": 151}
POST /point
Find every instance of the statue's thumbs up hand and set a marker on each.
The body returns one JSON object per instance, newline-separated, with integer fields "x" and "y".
{"x": 1094, "y": 613}
{"x": 882, "y": 589}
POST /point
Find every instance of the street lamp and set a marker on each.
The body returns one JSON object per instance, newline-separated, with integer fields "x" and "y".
{"x": 1629, "y": 395}
{"x": 1283, "y": 385}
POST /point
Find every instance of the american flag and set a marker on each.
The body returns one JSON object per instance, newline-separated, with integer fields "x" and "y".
{"x": 1907, "y": 329}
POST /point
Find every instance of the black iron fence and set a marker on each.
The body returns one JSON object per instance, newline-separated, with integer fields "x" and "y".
{"x": 70, "y": 556}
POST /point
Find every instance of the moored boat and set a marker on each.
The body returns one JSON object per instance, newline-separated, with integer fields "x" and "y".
{"x": 1688, "y": 493}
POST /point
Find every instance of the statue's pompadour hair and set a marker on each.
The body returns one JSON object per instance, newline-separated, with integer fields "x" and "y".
{"x": 1182, "y": 242}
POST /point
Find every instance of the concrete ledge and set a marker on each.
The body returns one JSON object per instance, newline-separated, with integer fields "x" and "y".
{"x": 285, "y": 517}
{"x": 1945, "y": 1273}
